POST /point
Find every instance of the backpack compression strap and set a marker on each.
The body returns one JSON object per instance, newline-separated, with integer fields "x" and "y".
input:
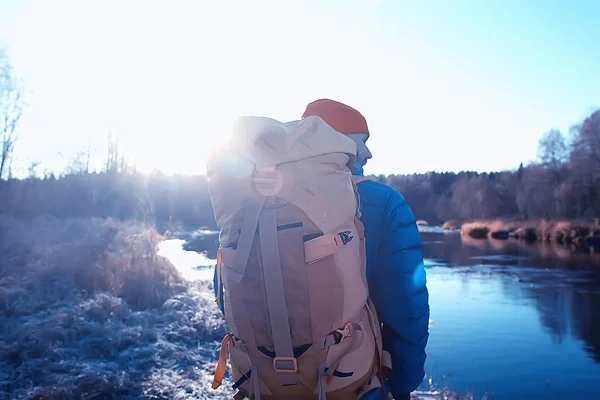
{"x": 284, "y": 362}
{"x": 254, "y": 207}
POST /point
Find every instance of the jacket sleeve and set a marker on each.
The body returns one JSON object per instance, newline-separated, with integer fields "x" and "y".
{"x": 400, "y": 295}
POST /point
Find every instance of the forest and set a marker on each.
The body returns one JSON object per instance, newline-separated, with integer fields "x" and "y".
{"x": 563, "y": 183}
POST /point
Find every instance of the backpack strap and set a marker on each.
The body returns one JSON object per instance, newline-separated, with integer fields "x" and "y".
{"x": 325, "y": 245}
{"x": 356, "y": 180}
{"x": 284, "y": 361}
{"x": 359, "y": 178}
{"x": 321, "y": 383}
{"x": 222, "y": 364}
{"x": 254, "y": 207}
{"x": 254, "y": 392}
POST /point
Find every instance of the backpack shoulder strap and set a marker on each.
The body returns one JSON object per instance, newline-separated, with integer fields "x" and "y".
{"x": 276, "y": 300}
{"x": 356, "y": 180}
{"x": 359, "y": 178}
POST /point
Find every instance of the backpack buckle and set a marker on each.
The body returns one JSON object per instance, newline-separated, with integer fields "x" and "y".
{"x": 346, "y": 331}
{"x": 285, "y": 365}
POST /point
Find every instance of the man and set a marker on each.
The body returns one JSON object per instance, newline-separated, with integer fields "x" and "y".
{"x": 395, "y": 269}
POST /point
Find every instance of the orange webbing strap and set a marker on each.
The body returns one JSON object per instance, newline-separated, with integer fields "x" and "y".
{"x": 218, "y": 267}
{"x": 222, "y": 364}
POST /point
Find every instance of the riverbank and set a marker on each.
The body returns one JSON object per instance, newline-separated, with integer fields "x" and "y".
{"x": 101, "y": 309}
{"x": 581, "y": 233}
{"x": 88, "y": 310}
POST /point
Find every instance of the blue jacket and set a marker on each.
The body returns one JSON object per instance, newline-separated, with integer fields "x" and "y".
{"x": 397, "y": 281}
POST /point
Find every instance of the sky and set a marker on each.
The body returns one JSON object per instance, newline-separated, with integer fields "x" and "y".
{"x": 444, "y": 85}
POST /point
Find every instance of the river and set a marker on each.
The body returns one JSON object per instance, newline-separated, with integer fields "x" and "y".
{"x": 508, "y": 321}
{"x": 511, "y": 320}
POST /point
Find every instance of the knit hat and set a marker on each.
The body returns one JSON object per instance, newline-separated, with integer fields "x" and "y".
{"x": 340, "y": 117}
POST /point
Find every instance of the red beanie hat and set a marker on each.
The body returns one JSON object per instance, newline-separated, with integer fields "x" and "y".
{"x": 340, "y": 117}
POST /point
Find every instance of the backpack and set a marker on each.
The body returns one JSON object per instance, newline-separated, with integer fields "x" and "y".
{"x": 292, "y": 263}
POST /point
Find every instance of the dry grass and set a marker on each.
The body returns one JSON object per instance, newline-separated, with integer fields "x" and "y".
{"x": 581, "y": 233}
{"x": 88, "y": 311}
{"x": 495, "y": 229}
{"x": 476, "y": 230}
{"x": 527, "y": 234}
{"x": 451, "y": 225}
{"x": 55, "y": 259}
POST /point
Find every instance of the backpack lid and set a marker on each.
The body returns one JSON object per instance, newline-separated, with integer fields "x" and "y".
{"x": 266, "y": 142}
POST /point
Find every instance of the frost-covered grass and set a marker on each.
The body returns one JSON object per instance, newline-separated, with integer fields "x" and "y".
{"x": 89, "y": 311}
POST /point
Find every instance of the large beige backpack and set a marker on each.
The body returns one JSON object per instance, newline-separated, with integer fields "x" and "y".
{"x": 292, "y": 263}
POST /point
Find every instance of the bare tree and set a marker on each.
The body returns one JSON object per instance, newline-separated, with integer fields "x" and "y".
{"x": 585, "y": 152}
{"x": 112, "y": 156}
{"x": 585, "y": 162}
{"x": 80, "y": 161}
{"x": 77, "y": 164}
{"x": 536, "y": 193}
{"x": 88, "y": 156}
{"x": 11, "y": 109}
{"x": 32, "y": 169}
{"x": 117, "y": 161}
{"x": 552, "y": 150}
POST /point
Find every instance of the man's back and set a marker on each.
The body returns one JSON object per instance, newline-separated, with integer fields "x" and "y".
{"x": 397, "y": 281}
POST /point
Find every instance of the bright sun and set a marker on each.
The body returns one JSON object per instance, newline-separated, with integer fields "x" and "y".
{"x": 172, "y": 86}
{"x": 170, "y": 79}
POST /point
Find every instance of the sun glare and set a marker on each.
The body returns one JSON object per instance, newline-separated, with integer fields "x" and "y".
{"x": 170, "y": 79}
{"x": 172, "y": 87}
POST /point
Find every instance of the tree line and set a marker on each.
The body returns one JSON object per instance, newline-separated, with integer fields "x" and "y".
{"x": 563, "y": 184}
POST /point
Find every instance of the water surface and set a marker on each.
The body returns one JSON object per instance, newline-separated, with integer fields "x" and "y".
{"x": 508, "y": 321}
{"x": 512, "y": 321}
{"x": 192, "y": 265}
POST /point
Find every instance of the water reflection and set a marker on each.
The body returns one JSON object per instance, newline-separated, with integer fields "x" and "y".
{"x": 514, "y": 320}
{"x": 192, "y": 265}
{"x": 509, "y": 320}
